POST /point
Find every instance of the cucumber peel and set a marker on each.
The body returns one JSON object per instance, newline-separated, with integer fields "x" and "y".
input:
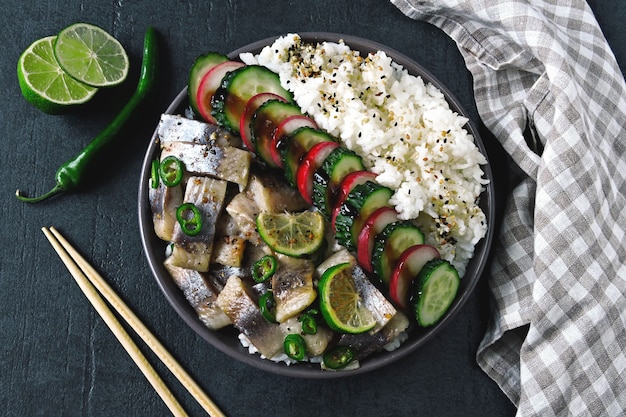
{"x": 437, "y": 285}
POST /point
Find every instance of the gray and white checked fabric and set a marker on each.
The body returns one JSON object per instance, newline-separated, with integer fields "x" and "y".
{"x": 557, "y": 340}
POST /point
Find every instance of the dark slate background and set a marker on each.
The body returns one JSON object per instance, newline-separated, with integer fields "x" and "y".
{"x": 58, "y": 358}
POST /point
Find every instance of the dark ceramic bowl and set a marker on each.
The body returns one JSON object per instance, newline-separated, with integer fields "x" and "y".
{"x": 226, "y": 339}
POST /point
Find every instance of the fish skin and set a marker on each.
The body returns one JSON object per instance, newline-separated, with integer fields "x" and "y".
{"x": 200, "y": 293}
{"x": 194, "y": 252}
{"x": 292, "y": 284}
{"x": 367, "y": 343}
{"x": 163, "y": 203}
{"x": 178, "y": 128}
{"x": 204, "y": 149}
{"x": 224, "y": 162}
{"x": 243, "y": 311}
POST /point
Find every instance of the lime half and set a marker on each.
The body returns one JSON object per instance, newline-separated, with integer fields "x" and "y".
{"x": 340, "y": 302}
{"x": 91, "y": 55}
{"x": 44, "y": 84}
{"x": 293, "y": 234}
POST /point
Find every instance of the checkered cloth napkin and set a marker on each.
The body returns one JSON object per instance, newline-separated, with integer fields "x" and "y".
{"x": 547, "y": 85}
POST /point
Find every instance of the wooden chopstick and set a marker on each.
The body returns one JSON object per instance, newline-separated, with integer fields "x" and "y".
{"x": 93, "y": 285}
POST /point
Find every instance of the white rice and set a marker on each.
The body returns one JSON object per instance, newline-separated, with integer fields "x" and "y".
{"x": 402, "y": 127}
{"x": 279, "y": 357}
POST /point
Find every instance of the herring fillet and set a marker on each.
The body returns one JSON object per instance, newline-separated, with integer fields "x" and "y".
{"x": 194, "y": 252}
{"x": 200, "y": 293}
{"x": 181, "y": 129}
{"x": 203, "y": 148}
{"x": 292, "y": 285}
{"x": 163, "y": 203}
{"x": 224, "y": 162}
{"x": 264, "y": 192}
{"x": 244, "y": 313}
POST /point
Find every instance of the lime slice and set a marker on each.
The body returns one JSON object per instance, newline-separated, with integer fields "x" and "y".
{"x": 91, "y": 55}
{"x": 293, "y": 234}
{"x": 44, "y": 84}
{"x": 340, "y": 302}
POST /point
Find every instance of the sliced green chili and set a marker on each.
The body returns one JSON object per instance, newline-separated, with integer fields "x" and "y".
{"x": 266, "y": 305}
{"x": 264, "y": 268}
{"x": 339, "y": 357}
{"x": 309, "y": 324}
{"x": 294, "y": 346}
{"x": 189, "y": 218}
{"x": 70, "y": 174}
{"x": 154, "y": 174}
{"x": 171, "y": 171}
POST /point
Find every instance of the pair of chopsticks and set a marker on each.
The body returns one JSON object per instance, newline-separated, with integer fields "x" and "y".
{"x": 95, "y": 288}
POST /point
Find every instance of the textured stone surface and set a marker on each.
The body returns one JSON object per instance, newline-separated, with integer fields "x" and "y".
{"x": 57, "y": 357}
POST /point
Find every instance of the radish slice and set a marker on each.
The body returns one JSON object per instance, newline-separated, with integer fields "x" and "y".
{"x": 209, "y": 84}
{"x": 406, "y": 269}
{"x": 312, "y": 160}
{"x": 345, "y": 186}
{"x": 286, "y": 128}
{"x": 374, "y": 224}
{"x": 248, "y": 111}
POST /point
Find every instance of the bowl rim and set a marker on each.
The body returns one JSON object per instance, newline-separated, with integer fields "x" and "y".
{"x": 226, "y": 341}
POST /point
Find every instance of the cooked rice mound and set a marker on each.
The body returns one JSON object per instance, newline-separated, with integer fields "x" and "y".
{"x": 402, "y": 127}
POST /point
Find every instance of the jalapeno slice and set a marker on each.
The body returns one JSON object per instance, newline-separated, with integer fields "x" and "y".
{"x": 264, "y": 268}
{"x": 189, "y": 218}
{"x": 171, "y": 171}
{"x": 294, "y": 346}
{"x": 266, "y": 305}
{"x": 339, "y": 357}
{"x": 309, "y": 324}
{"x": 154, "y": 174}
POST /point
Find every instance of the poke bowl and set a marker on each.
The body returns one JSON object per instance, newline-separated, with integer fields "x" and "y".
{"x": 227, "y": 339}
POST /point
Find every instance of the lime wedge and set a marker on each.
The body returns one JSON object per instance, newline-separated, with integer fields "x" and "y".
{"x": 293, "y": 234}
{"x": 91, "y": 55}
{"x": 44, "y": 84}
{"x": 340, "y": 302}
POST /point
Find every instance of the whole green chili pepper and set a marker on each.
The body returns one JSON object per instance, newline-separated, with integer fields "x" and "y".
{"x": 171, "y": 171}
{"x": 294, "y": 346}
{"x": 264, "y": 268}
{"x": 70, "y": 174}
{"x": 189, "y": 218}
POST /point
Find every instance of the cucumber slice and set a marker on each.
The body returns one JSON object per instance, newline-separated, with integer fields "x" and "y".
{"x": 311, "y": 161}
{"x": 209, "y": 85}
{"x": 390, "y": 244}
{"x": 264, "y": 122}
{"x": 302, "y": 141}
{"x": 437, "y": 286}
{"x": 374, "y": 224}
{"x": 201, "y": 66}
{"x": 362, "y": 201}
{"x": 326, "y": 179}
{"x": 285, "y": 130}
{"x": 238, "y": 87}
{"x": 245, "y": 130}
{"x": 345, "y": 186}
